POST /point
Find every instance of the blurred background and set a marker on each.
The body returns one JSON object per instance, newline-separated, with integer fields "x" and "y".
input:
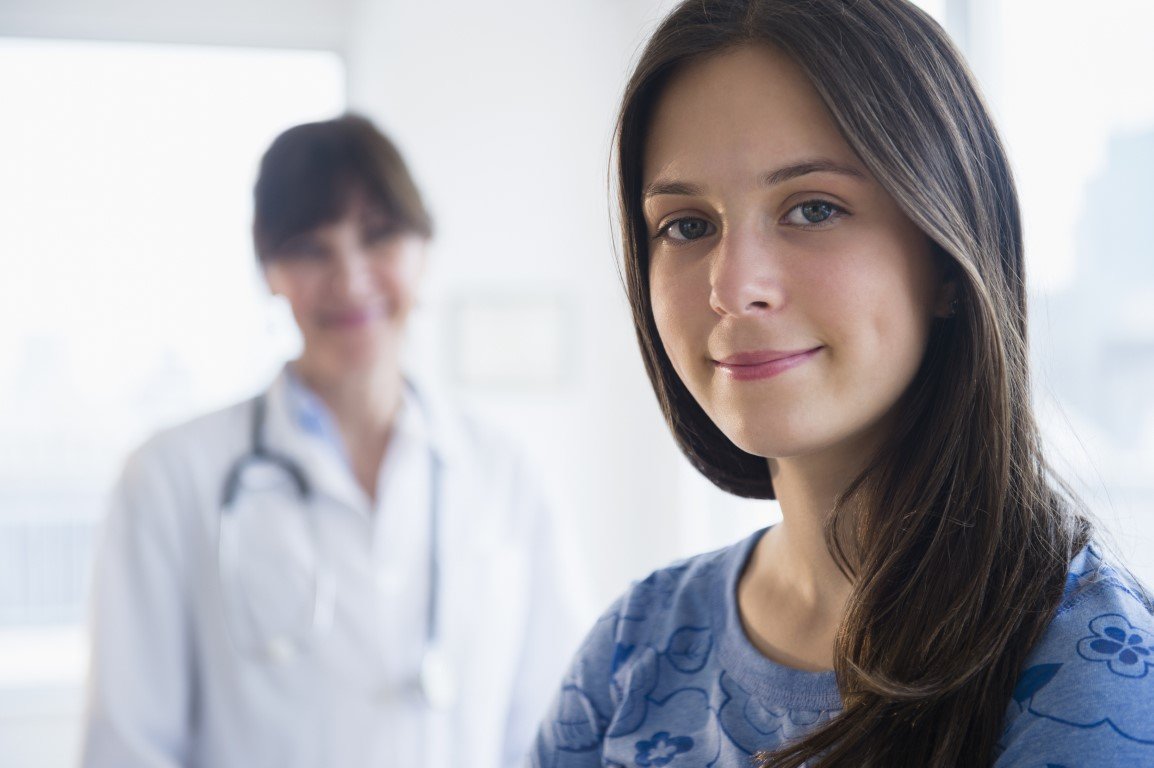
{"x": 130, "y": 300}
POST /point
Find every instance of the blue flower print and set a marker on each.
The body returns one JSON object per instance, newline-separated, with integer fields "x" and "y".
{"x": 684, "y": 729}
{"x": 748, "y": 724}
{"x": 1127, "y": 650}
{"x": 662, "y": 749}
{"x": 753, "y": 726}
{"x": 632, "y": 683}
{"x": 577, "y": 726}
{"x": 689, "y": 648}
{"x": 1033, "y": 680}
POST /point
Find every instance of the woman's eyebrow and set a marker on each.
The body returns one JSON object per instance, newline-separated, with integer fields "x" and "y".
{"x": 773, "y": 178}
{"x": 659, "y": 187}
{"x": 819, "y": 165}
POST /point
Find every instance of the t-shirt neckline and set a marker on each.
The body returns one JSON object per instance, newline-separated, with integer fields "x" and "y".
{"x": 773, "y": 684}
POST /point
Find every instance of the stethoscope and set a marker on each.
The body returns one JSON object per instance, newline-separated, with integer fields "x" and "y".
{"x": 434, "y": 684}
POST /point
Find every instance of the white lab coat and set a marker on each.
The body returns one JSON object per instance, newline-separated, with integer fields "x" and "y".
{"x": 168, "y": 686}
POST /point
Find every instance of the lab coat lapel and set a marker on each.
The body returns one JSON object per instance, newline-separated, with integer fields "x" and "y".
{"x": 325, "y": 471}
{"x": 476, "y": 595}
{"x": 455, "y": 482}
{"x": 456, "y": 603}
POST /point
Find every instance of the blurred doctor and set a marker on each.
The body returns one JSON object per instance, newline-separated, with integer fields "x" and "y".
{"x": 344, "y": 570}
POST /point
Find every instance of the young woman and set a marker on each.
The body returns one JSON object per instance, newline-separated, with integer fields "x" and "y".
{"x": 344, "y": 570}
{"x": 824, "y": 259}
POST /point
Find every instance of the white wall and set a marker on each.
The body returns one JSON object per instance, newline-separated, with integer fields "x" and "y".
{"x": 275, "y": 23}
{"x": 123, "y": 205}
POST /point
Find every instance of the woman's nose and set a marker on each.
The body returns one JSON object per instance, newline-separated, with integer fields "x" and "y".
{"x": 746, "y": 275}
{"x": 352, "y": 272}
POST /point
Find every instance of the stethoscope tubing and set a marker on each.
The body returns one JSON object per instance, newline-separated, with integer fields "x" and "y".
{"x": 433, "y": 674}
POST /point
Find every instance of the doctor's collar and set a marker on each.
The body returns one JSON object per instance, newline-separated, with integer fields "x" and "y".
{"x": 414, "y": 419}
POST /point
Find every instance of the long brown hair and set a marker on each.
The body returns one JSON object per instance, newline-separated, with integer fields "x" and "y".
{"x": 955, "y": 537}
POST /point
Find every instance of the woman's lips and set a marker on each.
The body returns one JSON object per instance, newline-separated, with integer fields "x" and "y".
{"x": 348, "y": 319}
{"x": 762, "y": 364}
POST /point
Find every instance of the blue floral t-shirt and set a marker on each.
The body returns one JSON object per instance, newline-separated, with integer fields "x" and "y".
{"x": 667, "y": 677}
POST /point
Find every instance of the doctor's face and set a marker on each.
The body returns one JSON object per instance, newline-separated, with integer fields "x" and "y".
{"x": 791, "y": 294}
{"x": 352, "y": 284}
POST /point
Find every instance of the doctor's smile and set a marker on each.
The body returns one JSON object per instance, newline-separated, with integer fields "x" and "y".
{"x": 749, "y": 366}
{"x": 352, "y": 319}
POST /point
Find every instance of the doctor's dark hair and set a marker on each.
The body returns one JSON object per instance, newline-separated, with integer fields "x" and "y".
{"x": 957, "y": 536}
{"x": 313, "y": 173}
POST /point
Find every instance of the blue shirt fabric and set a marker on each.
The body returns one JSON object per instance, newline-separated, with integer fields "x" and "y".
{"x": 312, "y": 415}
{"x": 667, "y": 677}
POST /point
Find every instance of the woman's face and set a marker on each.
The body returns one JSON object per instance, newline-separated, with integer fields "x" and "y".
{"x": 791, "y": 294}
{"x": 351, "y": 284}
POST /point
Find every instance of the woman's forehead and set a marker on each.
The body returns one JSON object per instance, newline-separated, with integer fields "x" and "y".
{"x": 739, "y": 111}
{"x": 360, "y": 205}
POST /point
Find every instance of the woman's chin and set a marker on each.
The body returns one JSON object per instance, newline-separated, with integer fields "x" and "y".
{"x": 776, "y": 443}
{"x": 353, "y": 357}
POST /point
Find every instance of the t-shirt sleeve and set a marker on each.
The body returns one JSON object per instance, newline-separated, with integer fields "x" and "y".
{"x": 1086, "y": 696}
{"x": 573, "y": 731}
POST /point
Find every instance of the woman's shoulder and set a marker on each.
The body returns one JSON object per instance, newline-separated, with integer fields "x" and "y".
{"x": 175, "y": 445}
{"x": 674, "y": 610}
{"x": 1103, "y": 605}
{"x": 685, "y": 594}
{"x": 1090, "y": 679}
{"x": 661, "y": 627}
{"x": 211, "y": 425}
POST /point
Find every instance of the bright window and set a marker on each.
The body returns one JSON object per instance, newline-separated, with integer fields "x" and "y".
{"x": 1067, "y": 87}
{"x": 129, "y": 300}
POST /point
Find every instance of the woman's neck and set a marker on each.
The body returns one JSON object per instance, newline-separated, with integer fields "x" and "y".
{"x": 792, "y": 595}
{"x": 365, "y": 401}
{"x": 807, "y": 491}
{"x": 364, "y": 405}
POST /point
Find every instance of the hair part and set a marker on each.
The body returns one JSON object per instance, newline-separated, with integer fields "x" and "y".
{"x": 926, "y": 657}
{"x": 313, "y": 174}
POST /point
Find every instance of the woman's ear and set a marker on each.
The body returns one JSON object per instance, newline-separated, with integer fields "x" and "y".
{"x": 271, "y": 275}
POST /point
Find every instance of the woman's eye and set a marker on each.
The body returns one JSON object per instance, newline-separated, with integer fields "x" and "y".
{"x": 379, "y": 234}
{"x": 686, "y": 229}
{"x": 301, "y": 250}
{"x": 812, "y": 212}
